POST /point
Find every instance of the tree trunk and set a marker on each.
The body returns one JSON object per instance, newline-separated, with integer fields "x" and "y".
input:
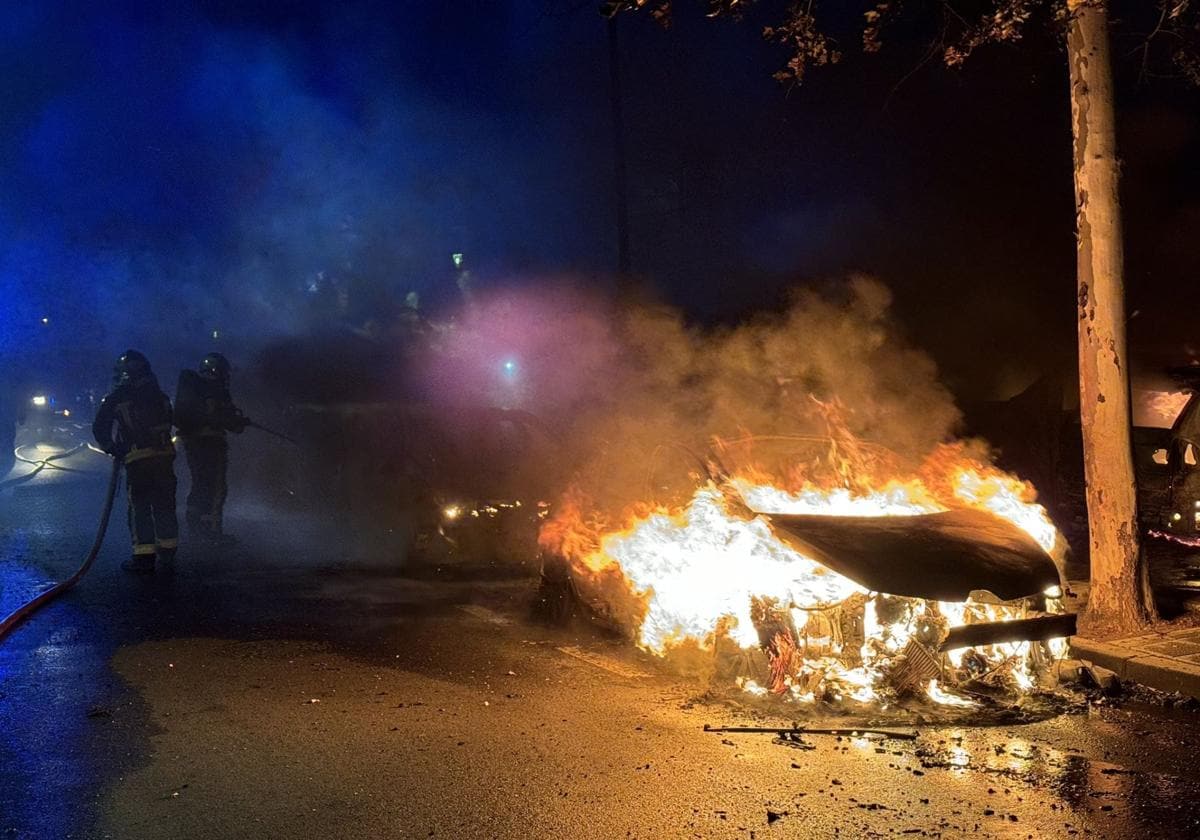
{"x": 1120, "y": 593}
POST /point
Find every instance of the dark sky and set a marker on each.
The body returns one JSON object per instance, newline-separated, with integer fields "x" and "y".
{"x": 167, "y": 169}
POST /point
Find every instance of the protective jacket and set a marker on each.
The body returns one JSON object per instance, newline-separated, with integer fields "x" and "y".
{"x": 141, "y": 414}
{"x": 204, "y": 407}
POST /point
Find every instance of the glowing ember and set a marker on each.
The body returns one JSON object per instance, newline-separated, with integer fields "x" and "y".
{"x": 946, "y": 699}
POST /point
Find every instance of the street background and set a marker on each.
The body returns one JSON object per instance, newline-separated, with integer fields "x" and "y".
{"x": 283, "y": 689}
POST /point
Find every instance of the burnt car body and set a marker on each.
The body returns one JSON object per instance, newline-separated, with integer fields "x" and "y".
{"x": 942, "y": 556}
{"x": 945, "y": 556}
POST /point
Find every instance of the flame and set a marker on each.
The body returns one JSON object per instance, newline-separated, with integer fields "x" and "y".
{"x": 682, "y": 563}
{"x": 937, "y": 695}
{"x": 1009, "y": 498}
{"x": 895, "y": 499}
{"x": 697, "y": 573}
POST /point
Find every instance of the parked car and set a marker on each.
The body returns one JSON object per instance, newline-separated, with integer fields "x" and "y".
{"x": 1168, "y": 463}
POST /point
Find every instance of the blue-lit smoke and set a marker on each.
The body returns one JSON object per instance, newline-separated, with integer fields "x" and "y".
{"x": 174, "y": 169}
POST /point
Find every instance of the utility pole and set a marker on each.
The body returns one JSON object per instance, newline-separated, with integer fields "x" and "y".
{"x": 621, "y": 191}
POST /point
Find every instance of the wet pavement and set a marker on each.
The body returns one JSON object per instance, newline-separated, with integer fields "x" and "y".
{"x": 288, "y": 688}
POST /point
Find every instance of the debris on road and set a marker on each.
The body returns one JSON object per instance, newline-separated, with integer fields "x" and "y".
{"x": 1094, "y": 676}
{"x": 805, "y": 730}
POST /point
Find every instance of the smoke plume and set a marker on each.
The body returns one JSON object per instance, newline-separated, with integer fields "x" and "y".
{"x": 638, "y": 398}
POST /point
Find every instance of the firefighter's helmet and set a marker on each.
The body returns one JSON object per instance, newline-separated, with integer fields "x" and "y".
{"x": 131, "y": 365}
{"x": 216, "y": 366}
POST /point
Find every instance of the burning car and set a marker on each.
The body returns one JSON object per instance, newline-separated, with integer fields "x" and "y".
{"x": 855, "y": 590}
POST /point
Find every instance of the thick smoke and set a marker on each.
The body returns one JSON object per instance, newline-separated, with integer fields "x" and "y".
{"x": 220, "y": 174}
{"x": 638, "y": 398}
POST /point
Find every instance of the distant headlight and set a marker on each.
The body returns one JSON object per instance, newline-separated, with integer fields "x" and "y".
{"x": 452, "y": 512}
{"x": 40, "y": 400}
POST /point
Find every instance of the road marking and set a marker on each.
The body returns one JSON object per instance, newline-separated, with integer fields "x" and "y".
{"x": 602, "y": 662}
{"x": 484, "y": 614}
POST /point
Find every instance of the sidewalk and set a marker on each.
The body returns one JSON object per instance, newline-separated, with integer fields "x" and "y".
{"x": 1167, "y": 661}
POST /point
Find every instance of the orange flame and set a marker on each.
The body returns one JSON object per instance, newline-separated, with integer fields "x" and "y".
{"x": 697, "y": 570}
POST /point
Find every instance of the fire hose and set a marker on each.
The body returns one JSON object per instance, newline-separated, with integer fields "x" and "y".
{"x": 40, "y": 464}
{"x": 253, "y": 425}
{"x": 8, "y": 624}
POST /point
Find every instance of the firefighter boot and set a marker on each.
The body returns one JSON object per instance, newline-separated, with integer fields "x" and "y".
{"x": 139, "y": 564}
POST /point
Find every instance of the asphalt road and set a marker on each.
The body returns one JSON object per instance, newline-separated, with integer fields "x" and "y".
{"x": 287, "y": 688}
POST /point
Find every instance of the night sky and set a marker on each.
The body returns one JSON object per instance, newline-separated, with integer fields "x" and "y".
{"x": 171, "y": 169}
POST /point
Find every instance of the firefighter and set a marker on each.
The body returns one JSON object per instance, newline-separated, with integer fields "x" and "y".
{"x": 12, "y": 405}
{"x": 16, "y": 397}
{"x": 141, "y": 414}
{"x": 206, "y": 413}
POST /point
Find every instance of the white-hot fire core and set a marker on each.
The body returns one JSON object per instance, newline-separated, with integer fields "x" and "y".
{"x": 701, "y": 568}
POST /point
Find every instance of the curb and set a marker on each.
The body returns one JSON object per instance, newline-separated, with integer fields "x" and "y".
{"x": 1159, "y": 672}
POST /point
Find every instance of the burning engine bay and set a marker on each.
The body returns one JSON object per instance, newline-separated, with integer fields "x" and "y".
{"x": 942, "y": 589}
